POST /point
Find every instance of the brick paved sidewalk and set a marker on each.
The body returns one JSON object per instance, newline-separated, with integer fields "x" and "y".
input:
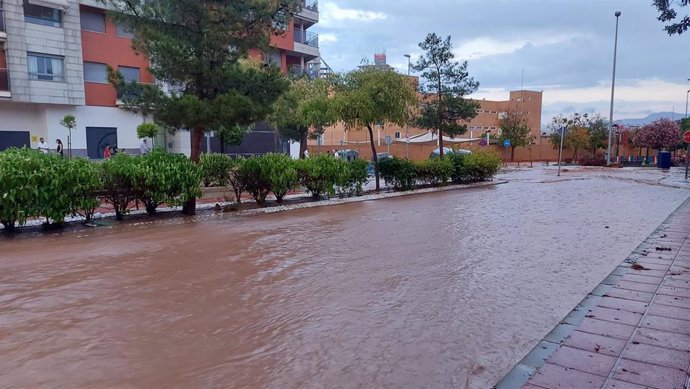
{"x": 632, "y": 331}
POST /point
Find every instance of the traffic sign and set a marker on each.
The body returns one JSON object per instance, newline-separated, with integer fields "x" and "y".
{"x": 686, "y": 136}
{"x": 506, "y": 143}
{"x": 389, "y": 140}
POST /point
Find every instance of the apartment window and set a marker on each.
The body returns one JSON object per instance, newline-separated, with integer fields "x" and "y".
{"x": 95, "y": 72}
{"x": 92, "y": 21}
{"x": 129, "y": 73}
{"x": 123, "y": 31}
{"x": 38, "y": 14}
{"x": 273, "y": 57}
{"x": 398, "y": 135}
{"x": 46, "y": 67}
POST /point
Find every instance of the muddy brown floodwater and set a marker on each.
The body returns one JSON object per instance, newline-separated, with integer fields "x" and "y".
{"x": 435, "y": 291}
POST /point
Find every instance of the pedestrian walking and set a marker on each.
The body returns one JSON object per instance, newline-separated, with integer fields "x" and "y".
{"x": 106, "y": 152}
{"x": 60, "y": 148}
{"x": 306, "y": 153}
{"x": 43, "y": 146}
{"x": 144, "y": 147}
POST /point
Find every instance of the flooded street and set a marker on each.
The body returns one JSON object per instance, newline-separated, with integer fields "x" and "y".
{"x": 444, "y": 290}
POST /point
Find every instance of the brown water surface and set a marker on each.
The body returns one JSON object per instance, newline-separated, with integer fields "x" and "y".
{"x": 435, "y": 291}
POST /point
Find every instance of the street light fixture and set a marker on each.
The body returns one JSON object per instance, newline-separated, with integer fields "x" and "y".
{"x": 409, "y": 58}
{"x": 613, "y": 88}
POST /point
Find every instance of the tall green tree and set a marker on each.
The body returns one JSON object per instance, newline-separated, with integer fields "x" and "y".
{"x": 197, "y": 48}
{"x": 445, "y": 83}
{"x": 303, "y": 111}
{"x": 674, "y": 24}
{"x": 368, "y": 96}
{"x": 514, "y": 128}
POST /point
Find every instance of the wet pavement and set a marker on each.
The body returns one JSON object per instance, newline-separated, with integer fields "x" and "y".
{"x": 632, "y": 331}
{"x": 439, "y": 290}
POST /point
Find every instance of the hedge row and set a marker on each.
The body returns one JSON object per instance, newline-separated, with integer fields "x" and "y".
{"x": 404, "y": 174}
{"x": 38, "y": 185}
{"x": 279, "y": 174}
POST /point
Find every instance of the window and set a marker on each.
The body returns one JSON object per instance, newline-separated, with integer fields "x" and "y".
{"x": 129, "y": 73}
{"x": 273, "y": 57}
{"x": 42, "y": 15}
{"x": 397, "y": 135}
{"x": 92, "y": 21}
{"x": 123, "y": 31}
{"x": 95, "y": 72}
{"x": 46, "y": 67}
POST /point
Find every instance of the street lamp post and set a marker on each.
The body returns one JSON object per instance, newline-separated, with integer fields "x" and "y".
{"x": 409, "y": 58}
{"x": 613, "y": 88}
{"x": 407, "y": 125}
{"x": 618, "y": 143}
{"x": 560, "y": 151}
{"x": 686, "y": 103}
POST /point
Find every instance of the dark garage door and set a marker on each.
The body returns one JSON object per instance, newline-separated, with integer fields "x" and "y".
{"x": 97, "y": 138}
{"x": 14, "y": 139}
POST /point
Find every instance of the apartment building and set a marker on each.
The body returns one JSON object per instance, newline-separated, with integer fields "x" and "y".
{"x": 487, "y": 119}
{"x": 53, "y": 60}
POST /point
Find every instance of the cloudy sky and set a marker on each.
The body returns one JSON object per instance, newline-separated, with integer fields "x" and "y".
{"x": 564, "y": 46}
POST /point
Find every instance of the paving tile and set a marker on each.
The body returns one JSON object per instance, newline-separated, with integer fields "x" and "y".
{"x": 540, "y": 354}
{"x": 669, "y": 311}
{"x": 662, "y": 339}
{"x": 657, "y": 355}
{"x": 651, "y": 272}
{"x": 650, "y": 288}
{"x": 648, "y": 374}
{"x": 673, "y": 301}
{"x": 651, "y": 266}
{"x": 583, "y": 360}
{"x": 675, "y": 282}
{"x": 595, "y": 343}
{"x": 630, "y": 295}
{"x": 615, "y": 384}
{"x": 615, "y": 315}
{"x": 606, "y": 328}
{"x": 640, "y": 278}
{"x": 554, "y": 376}
{"x": 559, "y": 333}
{"x": 622, "y": 304}
{"x": 644, "y": 261}
{"x": 674, "y": 291}
{"x": 666, "y": 324}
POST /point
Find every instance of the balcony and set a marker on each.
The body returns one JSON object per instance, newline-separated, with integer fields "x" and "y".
{"x": 300, "y": 71}
{"x": 4, "y": 83}
{"x": 309, "y": 13}
{"x": 307, "y": 38}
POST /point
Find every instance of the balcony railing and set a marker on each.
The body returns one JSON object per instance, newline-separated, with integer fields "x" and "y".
{"x": 312, "y": 5}
{"x": 299, "y": 71}
{"x": 308, "y": 38}
{"x": 4, "y": 80}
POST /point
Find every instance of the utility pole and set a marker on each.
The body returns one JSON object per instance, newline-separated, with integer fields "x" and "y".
{"x": 613, "y": 88}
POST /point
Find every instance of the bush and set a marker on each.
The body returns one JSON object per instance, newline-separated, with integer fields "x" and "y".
{"x": 84, "y": 185}
{"x": 459, "y": 173}
{"x": 282, "y": 174}
{"x": 256, "y": 178}
{"x": 319, "y": 174}
{"x": 434, "y": 171}
{"x": 357, "y": 176}
{"x": 215, "y": 169}
{"x": 590, "y": 159}
{"x": 147, "y": 130}
{"x": 119, "y": 175}
{"x": 235, "y": 178}
{"x": 401, "y": 173}
{"x": 165, "y": 178}
{"x": 18, "y": 192}
{"x": 481, "y": 166}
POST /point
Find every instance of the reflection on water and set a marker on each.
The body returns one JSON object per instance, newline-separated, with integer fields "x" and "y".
{"x": 437, "y": 291}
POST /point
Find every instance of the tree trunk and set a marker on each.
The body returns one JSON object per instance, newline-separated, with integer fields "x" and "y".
{"x": 375, "y": 157}
{"x": 440, "y": 143}
{"x": 196, "y": 135}
{"x": 512, "y": 154}
{"x": 302, "y": 145}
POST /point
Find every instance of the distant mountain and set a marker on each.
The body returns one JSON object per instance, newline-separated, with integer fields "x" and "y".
{"x": 650, "y": 118}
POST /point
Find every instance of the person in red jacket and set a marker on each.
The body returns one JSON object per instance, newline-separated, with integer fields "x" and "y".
{"x": 106, "y": 152}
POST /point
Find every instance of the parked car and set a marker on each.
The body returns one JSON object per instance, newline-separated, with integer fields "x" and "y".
{"x": 348, "y": 155}
{"x": 448, "y": 150}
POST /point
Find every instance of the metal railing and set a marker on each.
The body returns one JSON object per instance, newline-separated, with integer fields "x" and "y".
{"x": 308, "y": 38}
{"x": 312, "y": 5}
{"x": 299, "y": 71}
{"x": 4, "y": 80}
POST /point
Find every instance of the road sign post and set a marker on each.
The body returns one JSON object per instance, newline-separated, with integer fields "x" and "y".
{"x": 389, "y": 141}
{"x": 686, "y": 138}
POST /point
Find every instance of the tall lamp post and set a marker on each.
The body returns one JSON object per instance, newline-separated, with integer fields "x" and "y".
{"x": 409, "y": 58}
{"x": 613, "y": 88}
{"x": 686, "y": 102}
{"x": 407, "y": 125}
{"x": 560, "y": 150}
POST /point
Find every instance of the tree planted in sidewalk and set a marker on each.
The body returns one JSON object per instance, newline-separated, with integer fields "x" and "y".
{"x": 302, "y": 112}
{"x": 445, "y": 83}
{"x": 366, "y": 97}
{"x": 514, "y": 128}
{"x": 198, "y": 49}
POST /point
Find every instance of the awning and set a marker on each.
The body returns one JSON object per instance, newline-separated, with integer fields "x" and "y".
{"x": 58, "y": 4}
{"x": 431, "y": 137}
